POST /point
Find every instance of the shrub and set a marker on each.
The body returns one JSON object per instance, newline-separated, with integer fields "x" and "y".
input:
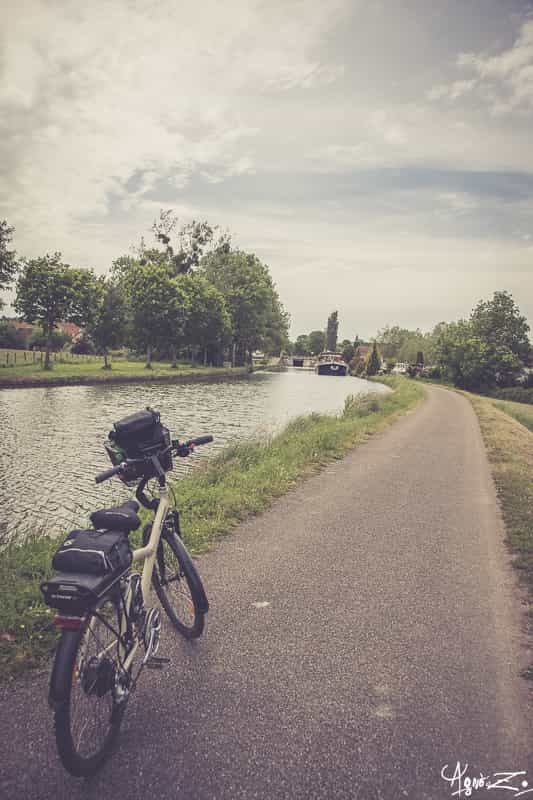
{"x": 83, "y": 347}
{"x": 516, "y": 394}
{"x": 58, "y": 341}
{"x": 361, "y": 405}
{"x": 10, "y": 337}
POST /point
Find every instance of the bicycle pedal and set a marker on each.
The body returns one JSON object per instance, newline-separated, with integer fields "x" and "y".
{"x": 157, "y": 662}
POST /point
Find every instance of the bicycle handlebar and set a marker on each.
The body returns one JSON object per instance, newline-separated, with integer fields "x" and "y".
{"x": 108, "y": 473}
{"x": 181, "y": 449}
{"x": 199, "y": 440}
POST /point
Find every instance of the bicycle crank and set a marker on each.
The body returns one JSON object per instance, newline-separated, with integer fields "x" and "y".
{"x": 151, "y": 634}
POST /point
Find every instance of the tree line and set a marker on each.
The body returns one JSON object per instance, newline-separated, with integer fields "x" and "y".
{"x": 489, "y": 349}
{"x": 192, "y": 292}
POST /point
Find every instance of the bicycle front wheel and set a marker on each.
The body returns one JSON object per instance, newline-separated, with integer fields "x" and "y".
{"x": 179, "y": 587}
{"x": 86, "y": 685}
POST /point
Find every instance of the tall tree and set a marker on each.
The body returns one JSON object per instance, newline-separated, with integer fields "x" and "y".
{"x": 49, "y": 291}
{"x": 471, "y": 362}
{"x": 108, "y": 320}
{"x": 250, "y": 296}
{"x": 332, "y": 331}
{"x": 150, "y": 293}
{"x": 8, "y": 263}
{"x": 192, "y": 241}
{"x": 373, "y": 362}
{"x": 301, "y": 345}
{"x": 208, "y": 322}
{"x": 499, "y": 322}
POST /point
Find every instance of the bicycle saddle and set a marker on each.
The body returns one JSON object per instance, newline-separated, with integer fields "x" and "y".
{"x": 119, "y": 518}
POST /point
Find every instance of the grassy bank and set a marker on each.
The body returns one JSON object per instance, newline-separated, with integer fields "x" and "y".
{"x": 121, "y": 372}
{"x": 242, "y": 480}
{"x": 507, "y": 432}
{"x": 520, "y": 411}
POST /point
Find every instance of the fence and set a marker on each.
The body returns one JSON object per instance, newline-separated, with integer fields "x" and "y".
{"x": 21, "y": 358}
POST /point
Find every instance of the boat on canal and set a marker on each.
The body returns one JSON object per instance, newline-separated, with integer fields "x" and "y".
{"x": 330, "y": 363}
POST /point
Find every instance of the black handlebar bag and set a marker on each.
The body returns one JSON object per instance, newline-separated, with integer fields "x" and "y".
{"x": 141, "y": 435}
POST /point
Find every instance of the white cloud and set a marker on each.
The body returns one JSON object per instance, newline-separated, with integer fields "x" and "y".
{"x": 110, "y": 111}
{"x": 504, "y": 81}
{"x": 93, "y": 93}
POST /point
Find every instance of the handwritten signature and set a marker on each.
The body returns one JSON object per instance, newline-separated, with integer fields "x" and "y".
{"x": 464, "y": 784}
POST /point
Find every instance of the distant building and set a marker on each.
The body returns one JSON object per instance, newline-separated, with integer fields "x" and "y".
{"x": 363, "y": 350}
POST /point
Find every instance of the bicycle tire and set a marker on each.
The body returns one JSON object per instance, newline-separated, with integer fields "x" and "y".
{"x": 179, "y": 586}
{"x": 75, "y": 679}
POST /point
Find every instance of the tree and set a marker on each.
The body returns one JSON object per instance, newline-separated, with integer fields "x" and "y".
{"x": 471, "y": 362}
{"x": 175, "y": 320}
{"x": 193, "y": 240}
{"x": 348, "y": 350}
{"x": 107, "y": 325}
{"x": 332, "y": 331}
{"x": 208, "y": 322}
{"x": 8, "y": 263}
{"x": 251, "y": 299}
{"x": 317, "y": 342}
{"x": 486, "y": 350}
{"x": 10, "y": 337}
{"x": 151, "y": 296}
{"x": 373, "y": 361}
{"x": 276, "y": 336}
{"x": 57, "y": 340}
{"x": 499, "y": 322}
{"x": 301, "y": 345}
{"x": 49, "y": 291}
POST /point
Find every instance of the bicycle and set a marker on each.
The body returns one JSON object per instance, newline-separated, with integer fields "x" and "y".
{"x": 101, "y": 608}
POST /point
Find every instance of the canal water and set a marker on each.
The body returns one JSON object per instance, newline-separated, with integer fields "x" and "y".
{"x": 51, "y": 443}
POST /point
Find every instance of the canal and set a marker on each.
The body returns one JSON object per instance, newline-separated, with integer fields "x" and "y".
{"x": 52, "y": 437}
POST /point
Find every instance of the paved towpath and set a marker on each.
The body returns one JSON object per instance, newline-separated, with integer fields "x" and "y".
{"x": 363, "y": 633}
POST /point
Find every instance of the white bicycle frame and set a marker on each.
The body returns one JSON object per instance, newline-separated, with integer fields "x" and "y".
{"x": 147, "y": 554}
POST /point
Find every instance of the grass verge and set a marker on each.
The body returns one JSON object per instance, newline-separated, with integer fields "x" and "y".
{"x": 509, "y": 445}
{"x": 121, "y": 372}
{"x": 521, "y": 412}
{"x": 241, "y": 481}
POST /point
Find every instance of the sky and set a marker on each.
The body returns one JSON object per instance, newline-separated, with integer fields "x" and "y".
{"x": 378, "y": 156}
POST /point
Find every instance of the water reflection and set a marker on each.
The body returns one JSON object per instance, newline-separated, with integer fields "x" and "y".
{"x": 52, "y": 437}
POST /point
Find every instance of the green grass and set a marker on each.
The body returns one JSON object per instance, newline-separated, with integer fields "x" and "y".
{"x": 243, "y": 480}
{"x": 510, "y": 449}
{"x": 94, "y": 373}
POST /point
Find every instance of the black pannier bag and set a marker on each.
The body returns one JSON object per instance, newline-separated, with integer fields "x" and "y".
{"x": 76, "y": 593}
{"x": 94, "y": 553}
{"x": 140, "y": 435}
{"x": 89, "y": 563}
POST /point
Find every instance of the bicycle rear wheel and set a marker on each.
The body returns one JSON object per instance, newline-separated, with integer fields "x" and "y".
{"x": 178, "y": 585}
{"x": 86, "y": 691}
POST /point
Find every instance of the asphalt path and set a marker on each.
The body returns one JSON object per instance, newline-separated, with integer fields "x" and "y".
{"x": 363, "y": 633}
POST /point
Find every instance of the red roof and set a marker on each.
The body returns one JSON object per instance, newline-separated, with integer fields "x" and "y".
{"x": 70, "y": 328}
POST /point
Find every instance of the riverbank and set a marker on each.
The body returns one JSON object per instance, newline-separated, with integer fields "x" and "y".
{"x": 88, "y": 374}
{"x": 243, "y": 480}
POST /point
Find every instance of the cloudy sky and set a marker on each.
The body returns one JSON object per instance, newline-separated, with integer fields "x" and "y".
{"x": 378, "y": 156}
